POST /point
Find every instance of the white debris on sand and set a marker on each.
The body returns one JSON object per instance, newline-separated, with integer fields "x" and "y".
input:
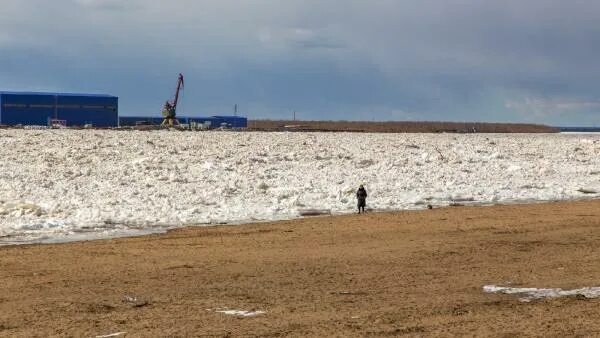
{"x": 241, "y": 313}
{"x": 116, "y": 334}
{"x": 76, "y": 184}
{"x": 529, "y": 294}
{"x": 238, "y": 313}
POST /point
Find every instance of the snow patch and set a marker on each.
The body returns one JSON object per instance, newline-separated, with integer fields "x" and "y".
{"x": 529, "y": 294}
{"x": 116, "y": 334}
{"x": 239, "y": 313}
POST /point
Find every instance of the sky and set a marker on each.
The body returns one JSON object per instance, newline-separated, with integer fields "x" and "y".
{"x": 533, "y": 61}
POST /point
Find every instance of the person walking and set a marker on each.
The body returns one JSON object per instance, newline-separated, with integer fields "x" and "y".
{"x": 361, "y": 196}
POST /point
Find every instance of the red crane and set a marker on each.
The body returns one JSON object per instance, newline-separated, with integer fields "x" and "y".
{"x": 170, "y": 107}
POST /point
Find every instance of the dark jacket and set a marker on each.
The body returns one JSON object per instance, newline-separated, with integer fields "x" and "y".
{"x": 361, "y": 194}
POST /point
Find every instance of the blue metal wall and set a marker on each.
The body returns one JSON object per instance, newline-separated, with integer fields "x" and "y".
{"x": 233, "y": 121}
{"x": 76, "y": 109}
{"x": 216, "y": 121}
{"x": 128, "y": 121}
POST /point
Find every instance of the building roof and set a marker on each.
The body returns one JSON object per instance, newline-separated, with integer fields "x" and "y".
{"x": 54, "y": 94}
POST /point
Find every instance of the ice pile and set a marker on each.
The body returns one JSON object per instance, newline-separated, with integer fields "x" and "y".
{"x": 74, "y": 184}
{"x": 529, "y": 294}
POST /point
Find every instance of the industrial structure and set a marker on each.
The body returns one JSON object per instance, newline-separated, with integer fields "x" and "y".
{"x": 44, "y": 109}
{"x": 211, "y": 122}
{"x": 96, "y": 110}
{"x": 169, "y": 111}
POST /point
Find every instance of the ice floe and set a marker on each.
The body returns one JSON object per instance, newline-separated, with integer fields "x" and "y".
{"x": 242, "y": 313}
{"x": 529, "y": 294}
{"x": 238, "y": 313}
{"x": 116, "y": 334}
{"x": 60, "y": 185}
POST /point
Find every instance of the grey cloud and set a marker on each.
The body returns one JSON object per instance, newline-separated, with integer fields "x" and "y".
{"x": 107, "y": 5}
{"x": 319, "y": 44}
{"x": 545, "y": 108}
{"x": 437, "y": 59}
{"x": 301, "y": 38}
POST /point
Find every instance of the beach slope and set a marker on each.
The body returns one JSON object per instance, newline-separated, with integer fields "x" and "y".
{"x": 415, "y": 273}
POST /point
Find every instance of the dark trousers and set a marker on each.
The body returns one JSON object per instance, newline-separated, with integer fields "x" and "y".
{"x": 362, "y": 202}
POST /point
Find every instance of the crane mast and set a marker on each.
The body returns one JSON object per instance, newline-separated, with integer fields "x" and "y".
{"x": 170, "y": 108}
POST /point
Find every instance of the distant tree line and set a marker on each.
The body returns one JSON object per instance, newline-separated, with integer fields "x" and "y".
{"x": 399, "y": 127}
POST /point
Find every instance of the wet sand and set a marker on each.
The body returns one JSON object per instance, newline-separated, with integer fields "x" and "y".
{"x": 416, "y": 273}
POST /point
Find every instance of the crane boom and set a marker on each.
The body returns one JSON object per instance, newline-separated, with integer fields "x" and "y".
{"x": 170, "y": 107}
{"x": 179, "y": 87}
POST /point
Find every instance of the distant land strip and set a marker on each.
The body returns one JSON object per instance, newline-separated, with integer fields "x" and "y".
{"x": 398, "y": 127}
{"x": 580, "y": 129}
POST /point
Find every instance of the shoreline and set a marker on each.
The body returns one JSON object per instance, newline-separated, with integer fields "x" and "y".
{"x": 166, "y": 230}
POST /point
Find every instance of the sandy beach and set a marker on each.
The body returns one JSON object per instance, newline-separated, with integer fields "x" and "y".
{"x": 415, "y": 273}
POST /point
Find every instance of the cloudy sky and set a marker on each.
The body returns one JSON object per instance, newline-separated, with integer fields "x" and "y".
{"x": 484, "y": 60}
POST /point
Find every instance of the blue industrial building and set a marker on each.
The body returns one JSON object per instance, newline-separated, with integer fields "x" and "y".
{"x": 27, "y": 108}
{"x": 231, "y": 121}
{"x": 215, "y": 121}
